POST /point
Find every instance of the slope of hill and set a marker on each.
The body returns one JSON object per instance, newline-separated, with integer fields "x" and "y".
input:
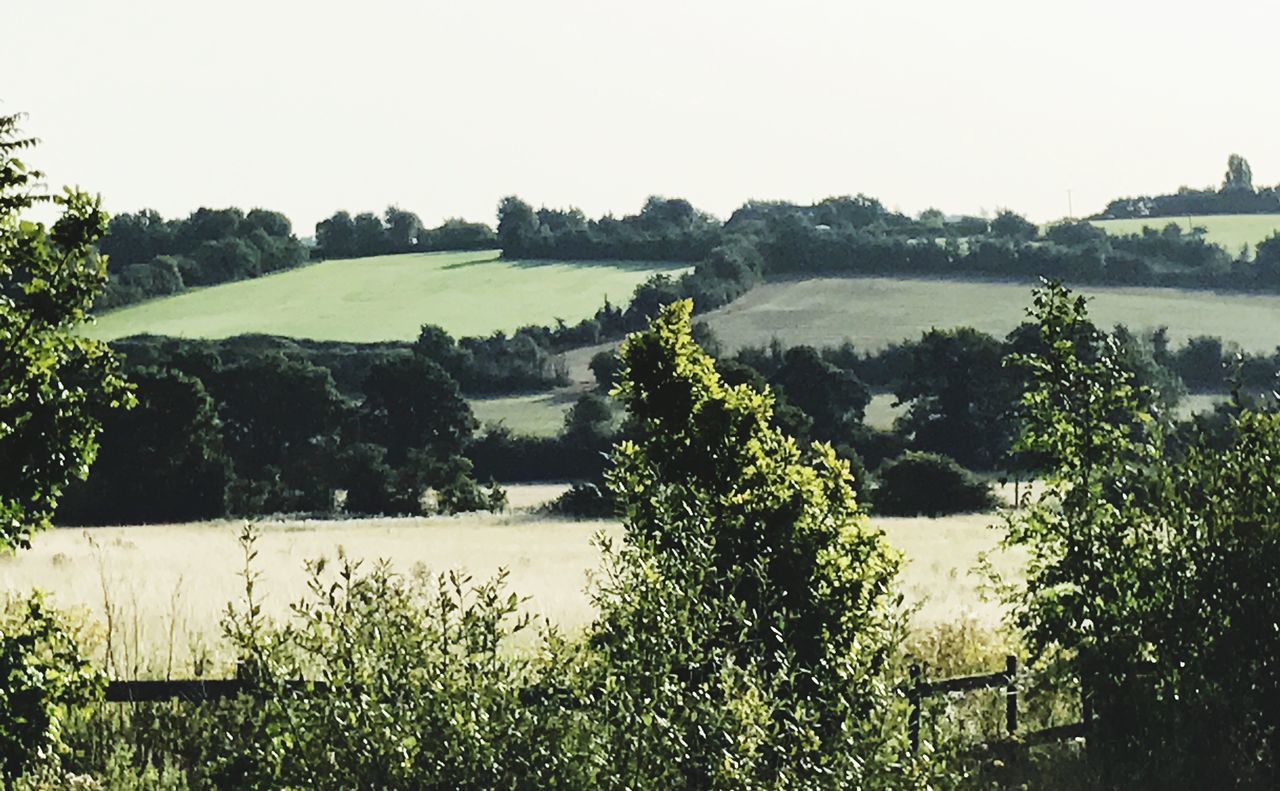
{"x": 388, "y": 298}
{"x": 1230, "y": 231}
{"x": 872, "y": 312}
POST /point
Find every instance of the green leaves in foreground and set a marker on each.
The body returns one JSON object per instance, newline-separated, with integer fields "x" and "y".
{"x": 53, "y": 384}
{"x": 746, "y": 621}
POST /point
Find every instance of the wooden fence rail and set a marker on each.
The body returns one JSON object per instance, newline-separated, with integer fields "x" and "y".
{"x": 199, "y": 690}
{"x": 920, "y": 688}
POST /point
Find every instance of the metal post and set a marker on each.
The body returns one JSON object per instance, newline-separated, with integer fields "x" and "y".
{"x": 913, "y": 723}
{"x": 1011, "y": 694}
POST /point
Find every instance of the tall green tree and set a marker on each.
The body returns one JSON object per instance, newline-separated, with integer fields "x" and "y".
{"x": 746, "y": 622}
{"x": 160, "y": 462}
{"x": 54, "y": 384}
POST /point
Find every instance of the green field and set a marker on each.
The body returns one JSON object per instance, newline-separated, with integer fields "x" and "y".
{"x": 388, "y": 298}
{"x": 874, "y": 311}
{"x": 1232, "y": 231}
{"x": 539, "y": 414}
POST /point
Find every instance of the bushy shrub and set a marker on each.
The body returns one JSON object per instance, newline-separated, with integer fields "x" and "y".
{"x": 44, "y": 677}
{"x": 929, "y": 484}
{"x": 1150, "y": 578}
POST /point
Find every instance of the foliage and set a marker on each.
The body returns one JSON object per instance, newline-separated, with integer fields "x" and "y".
{"x": 747, "y": 619}
{"x": 54, "y": 385}
{"x": 928, "y": 484}
{"x": 1151, "y": 573}
{"x": 151, "y": 256}
{"x": 162, "y": 461}
{"x": 958, "y": 397}
{"x": 44, "y": 677}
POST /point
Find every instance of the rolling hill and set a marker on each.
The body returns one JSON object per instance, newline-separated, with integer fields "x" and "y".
{"x": 1231, "y": 231}
{"x": 388, "y": 298}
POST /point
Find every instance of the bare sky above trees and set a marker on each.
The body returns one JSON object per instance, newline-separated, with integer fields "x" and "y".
{"x": 443, "y": 108}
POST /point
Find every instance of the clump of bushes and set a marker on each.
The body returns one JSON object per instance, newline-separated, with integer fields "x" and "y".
{"x": 929, "y": 484}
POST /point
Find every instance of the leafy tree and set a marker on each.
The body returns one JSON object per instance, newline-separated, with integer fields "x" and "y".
{"x": 517, "y": 227}
{"x": 403, "y": 229}
{"x": 1011, "y": 225}
{"x": 272, "y": 223}
{"x": 54, "y": 384}
{"x": 411, "y": 403}
{"x": 160, "y": 462}
{"x": 1150, "y": 575}
{"x": 336, "y": 236}
{"x": 834, "y": 398}
{"x": 928, "y": 484}
{"x": 959, "y": 397}
{"x": 1239, "y": 176}
{"x": 748, "y": 574}
{"x": 274, "y": 409}
{"x": 590, "y": 416}
{"x": 226, "y": 259}
{"x": 369, "y": 235}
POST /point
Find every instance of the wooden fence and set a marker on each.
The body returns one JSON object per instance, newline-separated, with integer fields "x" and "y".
{"x": 198, "y": 690}
{"x": 920, "y": 688}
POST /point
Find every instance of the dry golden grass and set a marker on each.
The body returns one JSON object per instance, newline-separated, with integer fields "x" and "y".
{"x": 163, "y": 589}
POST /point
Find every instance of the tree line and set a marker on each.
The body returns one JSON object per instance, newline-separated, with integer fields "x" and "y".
{"x": 263, "y": 431}
{"x": 1236, "y": 195}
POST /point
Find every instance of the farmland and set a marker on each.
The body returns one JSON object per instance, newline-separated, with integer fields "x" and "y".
{"x": 1231, "y": 231}
{"x": 388, "y": 298}
{"x": 874, "y": 311}
{"x": 161, "y": 577}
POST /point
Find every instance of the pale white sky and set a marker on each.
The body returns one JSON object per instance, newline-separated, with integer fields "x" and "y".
{"x": 443, "y": 108}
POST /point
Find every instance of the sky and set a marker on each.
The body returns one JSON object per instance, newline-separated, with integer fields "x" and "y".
{"x": 312, "y": 106}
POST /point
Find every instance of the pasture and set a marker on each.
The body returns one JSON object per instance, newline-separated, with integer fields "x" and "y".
{"x": 1231, "y": 231}
{"x": 165, "y": 587}
{"x": 388, "y": 298}
{"x": 875, "y": 311}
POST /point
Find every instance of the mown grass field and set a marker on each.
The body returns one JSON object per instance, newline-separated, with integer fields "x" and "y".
{"x": 388, "y": 298}
{"x": 1232, "y": 231}
{"x": 875, "y": 311}
{"x": 167, "y": 585}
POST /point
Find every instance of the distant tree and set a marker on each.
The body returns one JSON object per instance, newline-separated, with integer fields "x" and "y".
{"x": 55, "y": 384}
{"x": 959, "y": 397}
{"x": 589, "y": 419}
{"x": 403, "y": 229}
{"x": 1267, "y": 261}
{"x": 517, "y": 227}
{"x": 369, "y": 235}
{"x": 605, "y": 367}
{"x": 437, "y": 345}
{"x": 1010, "y": 225}
{"x": 273, "y": 223}
{"x": 834, "y": 398}
{"x": 933, "y": 219}
{"x": 207, "y": 225}
{"x": 160, "y": 462}
{"x": 134, "y": 238}
{"x": 273, "y": 409}
{"x": 929, "y": 484}
{"x": 336, "y": 236}
{"x": 225, "y": 259}
{"x": 1239, "y": 177}
{"x": 411, "y": 403}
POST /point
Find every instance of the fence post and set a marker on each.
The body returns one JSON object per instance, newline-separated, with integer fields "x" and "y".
{"x": 1011, "y": 694}
{"x": 913, "y": 722}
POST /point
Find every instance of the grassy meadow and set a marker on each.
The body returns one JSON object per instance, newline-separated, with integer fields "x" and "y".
{"x": 164, "y": 588}
{"x": 875, "y": 311}
{"x": 388, "y": 298}
{"x": 1231, "y": 231}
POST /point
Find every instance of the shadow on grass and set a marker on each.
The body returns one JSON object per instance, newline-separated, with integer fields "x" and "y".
{"x": 533, "y": 263}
